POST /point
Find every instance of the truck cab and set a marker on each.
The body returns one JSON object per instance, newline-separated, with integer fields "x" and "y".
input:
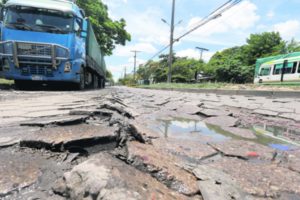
{"x": 46, "y": 41}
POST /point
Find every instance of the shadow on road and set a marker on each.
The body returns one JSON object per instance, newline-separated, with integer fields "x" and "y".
{"x": 6, "y": 87}
{"x": 40, "y": 87}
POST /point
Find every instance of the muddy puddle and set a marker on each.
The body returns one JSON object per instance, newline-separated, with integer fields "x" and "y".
{"x": 282, "y": 134}
{"x": 198, "y": 131}
{"x": 188, "y": 130}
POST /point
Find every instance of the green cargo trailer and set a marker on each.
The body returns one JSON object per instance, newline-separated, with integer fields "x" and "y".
{"x": 94, "y": 55}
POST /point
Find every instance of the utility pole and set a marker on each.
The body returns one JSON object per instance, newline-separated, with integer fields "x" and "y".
{"x": 124, "y": 72}
{"x": 171, "y": 43}
{"x": 135, "y": 55}
{"x": 201, "y": 51}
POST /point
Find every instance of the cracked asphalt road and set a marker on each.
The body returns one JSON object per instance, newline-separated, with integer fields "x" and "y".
{"x": 126, "y": 143}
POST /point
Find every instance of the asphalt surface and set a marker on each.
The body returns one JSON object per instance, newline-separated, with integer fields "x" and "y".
{"x": 125, "y": 143}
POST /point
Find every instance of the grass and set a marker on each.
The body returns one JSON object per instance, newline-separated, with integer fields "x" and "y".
{"x": 6, "y": 82}
{"x": 224, "y": 86}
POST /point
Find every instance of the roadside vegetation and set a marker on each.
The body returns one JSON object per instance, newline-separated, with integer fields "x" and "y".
{"x": 216, "y": 85}
{"x": 6, "y": 82}
{"x": 234, "y": 65}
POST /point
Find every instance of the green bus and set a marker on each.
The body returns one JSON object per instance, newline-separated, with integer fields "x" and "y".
{"x": 278, "y": 69}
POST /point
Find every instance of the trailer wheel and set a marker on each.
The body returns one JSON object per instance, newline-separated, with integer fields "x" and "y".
{"x": 81, "y": 84}
{"x": 103, "y": 82}
{"x": 95, "y": 81}
{"x": 100, "y": 82}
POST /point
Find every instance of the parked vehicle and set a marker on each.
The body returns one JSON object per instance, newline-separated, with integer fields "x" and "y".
{"x": 50, "y": 41}
{"x": 278, "y": 69}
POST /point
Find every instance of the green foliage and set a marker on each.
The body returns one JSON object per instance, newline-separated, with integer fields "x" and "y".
{"x": 292, "y": 46}
{"x": 109, "y": 76}
{"x": 235, "y": 65}
{"x": 229, "y": 66}
{"x": 263, "y": 45}
{"x": 128, "y": 80}
{"x": 108, "y": 32}
{"x": 183, "y": 69}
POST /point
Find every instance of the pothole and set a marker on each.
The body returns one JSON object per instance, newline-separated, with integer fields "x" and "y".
{"x": 84, "y": 146}
{"x": 199, "y": 131}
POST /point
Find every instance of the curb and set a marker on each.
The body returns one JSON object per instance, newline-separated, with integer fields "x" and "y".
{"x": 259, "y": 93}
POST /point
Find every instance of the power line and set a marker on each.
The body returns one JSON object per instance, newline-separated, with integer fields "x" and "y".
{"x": 213, "y": 15}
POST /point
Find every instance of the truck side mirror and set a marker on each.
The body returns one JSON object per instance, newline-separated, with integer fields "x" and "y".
{"x": 84, "y": 28}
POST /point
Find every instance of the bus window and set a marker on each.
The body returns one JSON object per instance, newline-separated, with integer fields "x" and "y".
{"x": 290, "y": 68}
{"x": 277, "y": 69}
{"x": 265, "y": 71}
{"x": 295, "y": 67}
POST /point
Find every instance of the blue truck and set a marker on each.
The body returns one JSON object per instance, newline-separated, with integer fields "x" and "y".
{"x": 49, "y": 41}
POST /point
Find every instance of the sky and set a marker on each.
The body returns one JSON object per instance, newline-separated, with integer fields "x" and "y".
{"x": 149, "y": 34}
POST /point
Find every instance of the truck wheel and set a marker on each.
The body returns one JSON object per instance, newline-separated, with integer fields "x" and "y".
{"x": 81, "y": 84}
{"x": 95, "y": 82}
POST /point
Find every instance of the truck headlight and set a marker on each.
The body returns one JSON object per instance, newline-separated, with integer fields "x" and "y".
{"x": 68, "y": 66}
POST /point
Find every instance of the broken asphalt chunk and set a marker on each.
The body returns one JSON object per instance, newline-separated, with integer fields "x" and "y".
{"x": 60, "y": 121}
{"x": 216, "y": 185}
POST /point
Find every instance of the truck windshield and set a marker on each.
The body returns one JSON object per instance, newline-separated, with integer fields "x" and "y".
{"x": 36, "y": 19}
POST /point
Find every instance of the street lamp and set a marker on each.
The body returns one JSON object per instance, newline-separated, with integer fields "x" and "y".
{"x": 165, "y": 21}
{"x": 201, "y": 49}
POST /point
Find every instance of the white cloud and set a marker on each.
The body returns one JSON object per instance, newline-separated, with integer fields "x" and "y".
{"x": 288, "y": 29}
{"x": 119, "y": 70}
{"x": 146, "y": 26}
{"x": 239, "y": 18}
{"x": 125, "y": 51}
{"x": 270, "y": 14}
{"x": 193, "y": 53}
{"x": 138, "y": 61}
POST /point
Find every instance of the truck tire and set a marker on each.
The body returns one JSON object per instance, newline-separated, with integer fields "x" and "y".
{"x": 81, "y": 84}
{"x": 95, "y": 81}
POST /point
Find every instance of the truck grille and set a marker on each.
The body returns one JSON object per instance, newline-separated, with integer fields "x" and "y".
{"x": 37, "y": 70}
{"x": 27, "y": 49}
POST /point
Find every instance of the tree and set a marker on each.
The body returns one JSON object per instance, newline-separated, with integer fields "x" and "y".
{"x": 263, "y": 45}
{"x": 237, "y": 64}
{"x": 183, "y": 69}
{"x": 230, "y": 66}
{"x": 292, "y": 46}
{"x": 109, "y": 76}
{"x": 108, "y": 32}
